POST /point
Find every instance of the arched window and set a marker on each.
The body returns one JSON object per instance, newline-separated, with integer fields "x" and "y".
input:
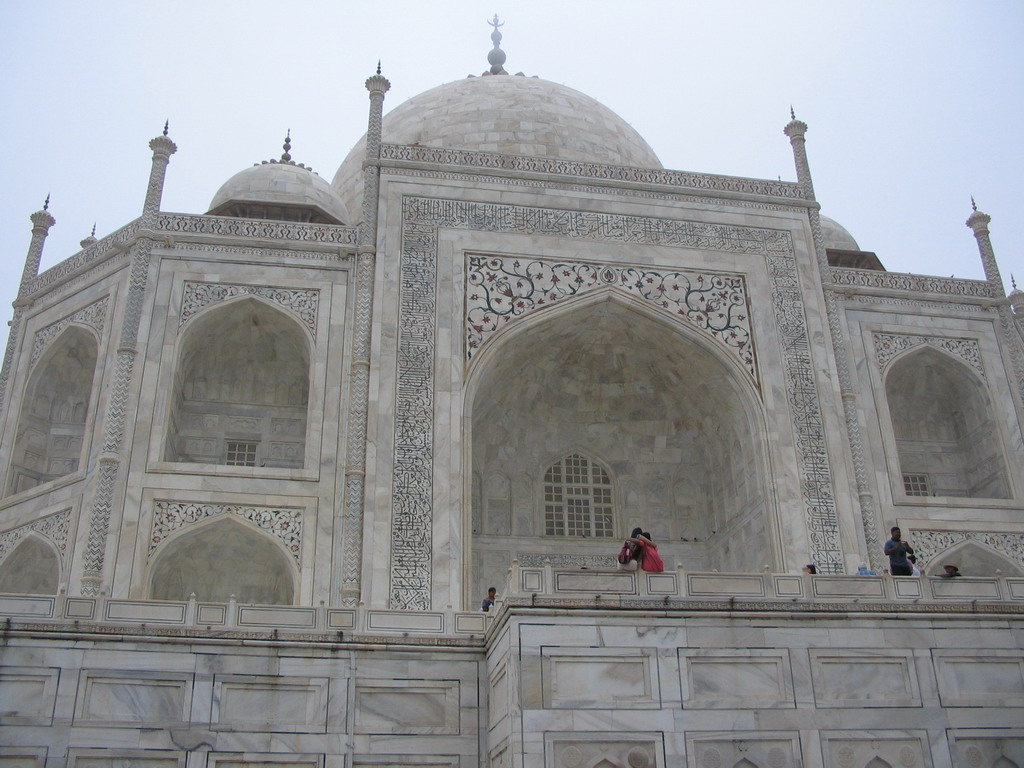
{"x": 32, "y": 568}
{"x": 220, "y": 560}
{"x": 241, "y": 389}
{"x": 946, "y": 436}
{"x": 53, "y": 420}
{"x": 578, "y": 499}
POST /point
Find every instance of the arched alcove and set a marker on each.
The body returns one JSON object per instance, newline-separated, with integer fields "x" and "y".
{"x": 676, "y": 427}
{"x": 241, "y": 389}
{"x": 973, "y": 559}
{"x": 942, "y": 420}
{"x": 223, "y": 558}
{"x": 54, "y": 416}
{"x": 32, "y": 568}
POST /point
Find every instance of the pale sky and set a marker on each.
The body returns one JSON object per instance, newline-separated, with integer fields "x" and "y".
{"x": 912, "y": 106}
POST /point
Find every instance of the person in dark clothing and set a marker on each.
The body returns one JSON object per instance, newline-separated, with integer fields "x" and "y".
{"x": 897, "y": 550}
{"x": 492, "y": 595}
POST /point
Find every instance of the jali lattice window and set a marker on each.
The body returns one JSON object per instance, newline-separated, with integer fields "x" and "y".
{"x": 577, "y": 499}
{"x": 241, "y": 454}
{"x": 915, "y": 484}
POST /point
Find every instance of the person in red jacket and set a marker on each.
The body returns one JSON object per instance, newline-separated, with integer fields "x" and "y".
{"x": 646, "y": 551}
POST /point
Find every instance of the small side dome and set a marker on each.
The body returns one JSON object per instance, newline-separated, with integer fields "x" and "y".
{"x": 280, "y": 190}
{"x": 836, "y": 236}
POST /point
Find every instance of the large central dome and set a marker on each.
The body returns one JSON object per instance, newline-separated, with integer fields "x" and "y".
{"x": 510, "y": 114}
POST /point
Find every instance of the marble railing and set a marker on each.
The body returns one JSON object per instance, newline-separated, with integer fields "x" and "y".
{"x": 760, "y": 591}
{"x": 540, "y": 587}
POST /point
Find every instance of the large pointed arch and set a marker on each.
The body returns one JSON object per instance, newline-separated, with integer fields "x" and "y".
{"x": 973, "y": 559}
{"x": 241, "y": 387}
{"x": 942, "y": 420}
{"x": 662, "y": 405}
{"x": 220, "y": 559}
{"x": 32, "y": 567}
{"x": 52, "y": 427}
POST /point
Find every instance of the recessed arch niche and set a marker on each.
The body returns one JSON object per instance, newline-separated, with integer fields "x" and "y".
{"x": 31, "y": 568}
{"x": 241, "y": 388}
{"x": 54, "y": 415}
{"x": 220, "y": 559}
{"x": 946, "y": 436}
{"x": 973, "y": 559}
{"x": 673, "y": 421}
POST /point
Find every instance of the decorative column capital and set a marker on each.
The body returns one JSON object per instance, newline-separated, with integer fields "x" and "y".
{"x": 978, "y": 222}
{"x": 378, "y": 84}
{"x": 163, "y": 146}
{"x": 795, "y": 129}
{"x": 42, "y": 220}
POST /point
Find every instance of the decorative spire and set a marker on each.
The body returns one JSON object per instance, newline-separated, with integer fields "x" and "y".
{"x": 90, "y": 239}
{"x": 167, "y": 125}
{"x": 496, "y": 56}
{"x": 974, "y": 205}
{"x": 46, "y": 202}
{"x": 792, "y": 114}
{"x": 286, "y": 158}
{"x": 378, "y": 66}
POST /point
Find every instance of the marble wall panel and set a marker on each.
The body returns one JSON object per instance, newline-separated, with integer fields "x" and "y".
{"x": 600, "y": 678}
{"x": 589, "y": 581}
{"x": 407, "y": 706}
{"x": 22, "y": 757}
{"x": 603, "y": 750}
{"x": 273, "y": 704}
{"x": 122, "y": 758}
{"x": 27, "y": 695}
{"x": 407, "y": 761}
{"x": 736, "y": 678}
{"x": 36, "y": 607}
{"x": 987, "y": 748}
{"x": 980, "y": 678}
{"x": 263, "y": 760}
{"x": 125, "y": 699}
{"x": 500, "y": 694}
{"x": 751, "y": 585}
{"x": 853, "y": 749}
{"x": 859, "y": 678}
{"x": 740, "y": 749}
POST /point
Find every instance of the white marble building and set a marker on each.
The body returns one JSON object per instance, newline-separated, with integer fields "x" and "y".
{"x": 259, "y": 465}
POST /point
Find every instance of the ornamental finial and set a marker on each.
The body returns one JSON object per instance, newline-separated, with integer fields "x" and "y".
{"x": 974, "y": 205}
{"x": 378, "y": 66}
{"x": 287, "y": 146}
{"x": 46, "y": 202}
{"x": 792, "y": 114}
{"x": 1013, "y": 281}
{"x": 167, "y": 126}
{"x": 93, "y": 230}
{"x": 496, "y": 56}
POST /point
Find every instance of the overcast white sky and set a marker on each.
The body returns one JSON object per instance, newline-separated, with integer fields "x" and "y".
{"x": 912, "y": 106}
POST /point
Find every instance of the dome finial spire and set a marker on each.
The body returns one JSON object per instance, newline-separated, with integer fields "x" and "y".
{"x": 496, "y": 56}
{"x": 974, "y": 205}
{"x": 46, "y": 202}
{"x": 287, "y": 147}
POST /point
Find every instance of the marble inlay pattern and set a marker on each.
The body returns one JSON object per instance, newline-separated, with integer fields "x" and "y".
{"x": 505, "y": 289}
{"x": 283, "y": 523}
{"x": 258, "y": 228}
{"x": 578, "y": 562}
{"x": 302, "y": 303}
{"x": 535, "y": 164}
{"x": 869, "y": 278}
{"x": 54, "y": 527}
{"x": 412, "y": 509}
{"x": 92, "y": 316}
{"x": 85, "y": 258}
{"x": 808, "y": 424}
{"x": 928, "y": 544}
{"x": 889, "y": 345}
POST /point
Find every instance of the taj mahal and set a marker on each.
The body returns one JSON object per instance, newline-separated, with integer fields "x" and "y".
{"x": 260, "y": 464}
